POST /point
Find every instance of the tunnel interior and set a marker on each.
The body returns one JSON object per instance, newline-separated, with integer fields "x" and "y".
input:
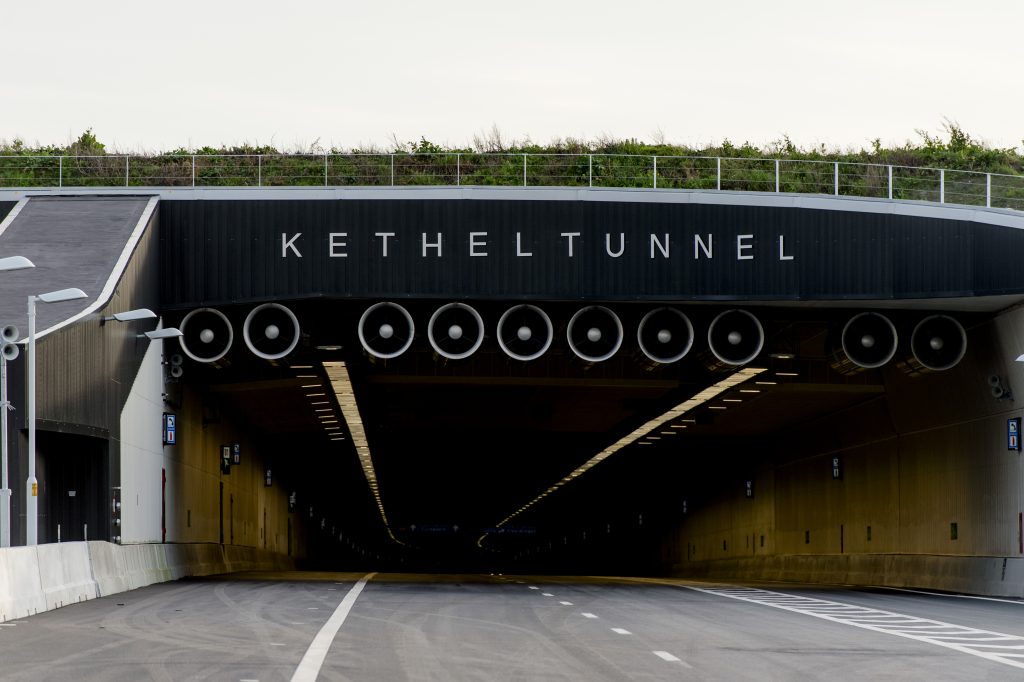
{"x": 468, "y": 453}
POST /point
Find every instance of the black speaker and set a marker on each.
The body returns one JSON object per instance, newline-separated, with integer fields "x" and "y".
{"x": 386, "y": 330}
{"x": 665, "y": 335}
{"x": 594, "y": 333}
{"x": 735, "y": 337}
{"x": 868, "y": 341}
{"x": 455, "y": 331}
{"x": 938, "y": 343}
{"x": 206, "y": 335}
{"x": 271, "y": 331}
{"x": 525, "y": 332}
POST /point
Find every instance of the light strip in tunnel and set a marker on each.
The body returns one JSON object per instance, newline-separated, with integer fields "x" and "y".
{"x": 649, "y": 427}
{"x": 337, "y": 374}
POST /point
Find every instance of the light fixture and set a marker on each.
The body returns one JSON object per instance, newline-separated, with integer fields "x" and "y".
{"x": 15, "y": 263}
{"x": 31, "y": 484}
{"x": 129, "y": 316}
{"x": 166, "y": 333}
{"x": 688, "y": 405}
{"x": 731, "y": 400}
{"x": 786, "y": 374}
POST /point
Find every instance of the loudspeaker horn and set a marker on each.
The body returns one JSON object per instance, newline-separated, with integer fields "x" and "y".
{"x": 9, "y": 351}
{"x": 525, "y": 332}
{"x": 868, "y": 341}
{"x": 594, "y": 333}
{"x": 386, "y": 330}
{"x": 735, "y": 337}
{"x": 455, "y": 331}
{"x": 206, "y": 335}
{"x": 271, "y": 331}
{"x": 665, "y": 335}
{"x": 9, "y": 334}
{"x": 937, "y": 343}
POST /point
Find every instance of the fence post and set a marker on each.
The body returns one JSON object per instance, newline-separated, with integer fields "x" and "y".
{"x": 325, "y": 169}
{"x": 890, "y": 183}
{"x": 458, "y": 170}
{"x": 125, "y": 170}
{"x": 776, "y": 176}
{"x": 524, "y": 170}
{"x": 590, "y": 170}
{"x": 193, "y": 171}
{"x": 259, "y": 170}
{"x": 655, "y": 172}
{"x": 60, "y": 172}
{"x": 392, "y": 170}
{"x": 836, "y": 179}
{"x": 942, "y": 185}
{"x": 718, "y": 172}
{"x": 988, "y": 190}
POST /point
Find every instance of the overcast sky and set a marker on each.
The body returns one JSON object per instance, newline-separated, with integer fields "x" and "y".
{"x": 154, "y": 76}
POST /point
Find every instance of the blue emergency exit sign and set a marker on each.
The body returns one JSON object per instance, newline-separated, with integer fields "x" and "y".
{"x": 170, "y": 429}
{"x": 1013, "y": 434}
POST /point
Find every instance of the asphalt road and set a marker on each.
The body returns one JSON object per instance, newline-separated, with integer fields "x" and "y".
{"x": 451, "y": 628}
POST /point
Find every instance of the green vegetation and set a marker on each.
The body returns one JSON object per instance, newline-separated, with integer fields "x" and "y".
{"x": 490, "y": 160}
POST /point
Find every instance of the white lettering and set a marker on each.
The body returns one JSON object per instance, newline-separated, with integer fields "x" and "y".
{"x": 608, "y": 244}
{"x": 289, "y": 244}
{"x": 384, "y": 241}
{"x": 571, "y": 236}
{"x": 335, "y": 245}
{"x": 742, "y": 245}
{"x": 699, "y": 245}
{"x": 474, "y": 243}
{"x": 519, "y": 246}
{"x": 661, "y": 247}
{"x": 782, "y": 249}
{"x": 432, "y": 245}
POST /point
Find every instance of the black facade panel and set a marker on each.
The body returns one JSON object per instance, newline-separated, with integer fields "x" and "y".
{"x": 232, "y": 251}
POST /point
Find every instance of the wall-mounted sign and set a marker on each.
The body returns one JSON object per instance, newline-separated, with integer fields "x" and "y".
{"x": 225, "y": 459}
{"x": 837, "y": 467}
{"x": 750, "y": 489}
{"x": 1013, "y": 434}
{"x": 170, "y": 429}
{"x": 268, "y": 479}
{"x": 236, "y": 453}
{"x": 291, "y": 501}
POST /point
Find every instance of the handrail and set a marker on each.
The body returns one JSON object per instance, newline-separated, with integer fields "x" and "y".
{"x": 662, "y": 172}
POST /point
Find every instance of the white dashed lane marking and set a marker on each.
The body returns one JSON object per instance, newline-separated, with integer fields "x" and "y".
{"x": 621, "y": 631}
{"x": 548, "y": 594}
{"x": 666, "y": 656}
{"x": 993, "y": 646}
{"x": 565, "y": 603}
{"x": 588, "y": 615}
{"x": 534, "y": 587}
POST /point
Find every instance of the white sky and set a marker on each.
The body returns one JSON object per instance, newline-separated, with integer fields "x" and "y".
{"x": 155, "y": 75}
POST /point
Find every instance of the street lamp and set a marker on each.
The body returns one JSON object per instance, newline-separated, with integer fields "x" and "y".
{"x": 7, "y": 264}
{"x": 32, "y": 485}
{"x": 167, "y": 333}
{"x": 129, "y": 316}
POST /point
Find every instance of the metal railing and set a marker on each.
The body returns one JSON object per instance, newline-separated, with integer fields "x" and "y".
{"x": 837, "y": 178}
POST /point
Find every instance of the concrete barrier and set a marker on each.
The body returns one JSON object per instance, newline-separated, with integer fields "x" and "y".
{"x": 21, "y": 592}
{"x": 65, "y": 574}
{"x": 34, "y": 579}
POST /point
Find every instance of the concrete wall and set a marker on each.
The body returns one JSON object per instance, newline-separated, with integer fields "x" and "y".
{"x": 929, "y": 453}
{"x": 45, "y": 577}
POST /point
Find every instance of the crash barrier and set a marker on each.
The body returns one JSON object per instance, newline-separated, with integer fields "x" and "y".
{"x": 46, "y": 577}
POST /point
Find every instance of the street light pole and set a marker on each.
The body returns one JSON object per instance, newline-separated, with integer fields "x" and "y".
{"x": 7, "y": 264}
{"x": 32, "y": 485}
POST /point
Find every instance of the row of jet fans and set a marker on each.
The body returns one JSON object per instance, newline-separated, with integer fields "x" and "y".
{"x": 594, "y": 334}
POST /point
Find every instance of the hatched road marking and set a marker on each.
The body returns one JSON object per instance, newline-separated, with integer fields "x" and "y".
{"x": 993, "y": 646}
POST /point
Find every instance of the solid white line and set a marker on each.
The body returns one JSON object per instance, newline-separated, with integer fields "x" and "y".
{"x": 621, "y": 631}
{"x": 955, "y": 596}
{"x": 313, "y": 660}
{"x": 8, "y": 625}
{"x": 588, "y": 615}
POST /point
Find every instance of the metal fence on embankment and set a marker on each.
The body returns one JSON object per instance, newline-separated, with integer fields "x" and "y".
{"x": 838, "y": 178}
